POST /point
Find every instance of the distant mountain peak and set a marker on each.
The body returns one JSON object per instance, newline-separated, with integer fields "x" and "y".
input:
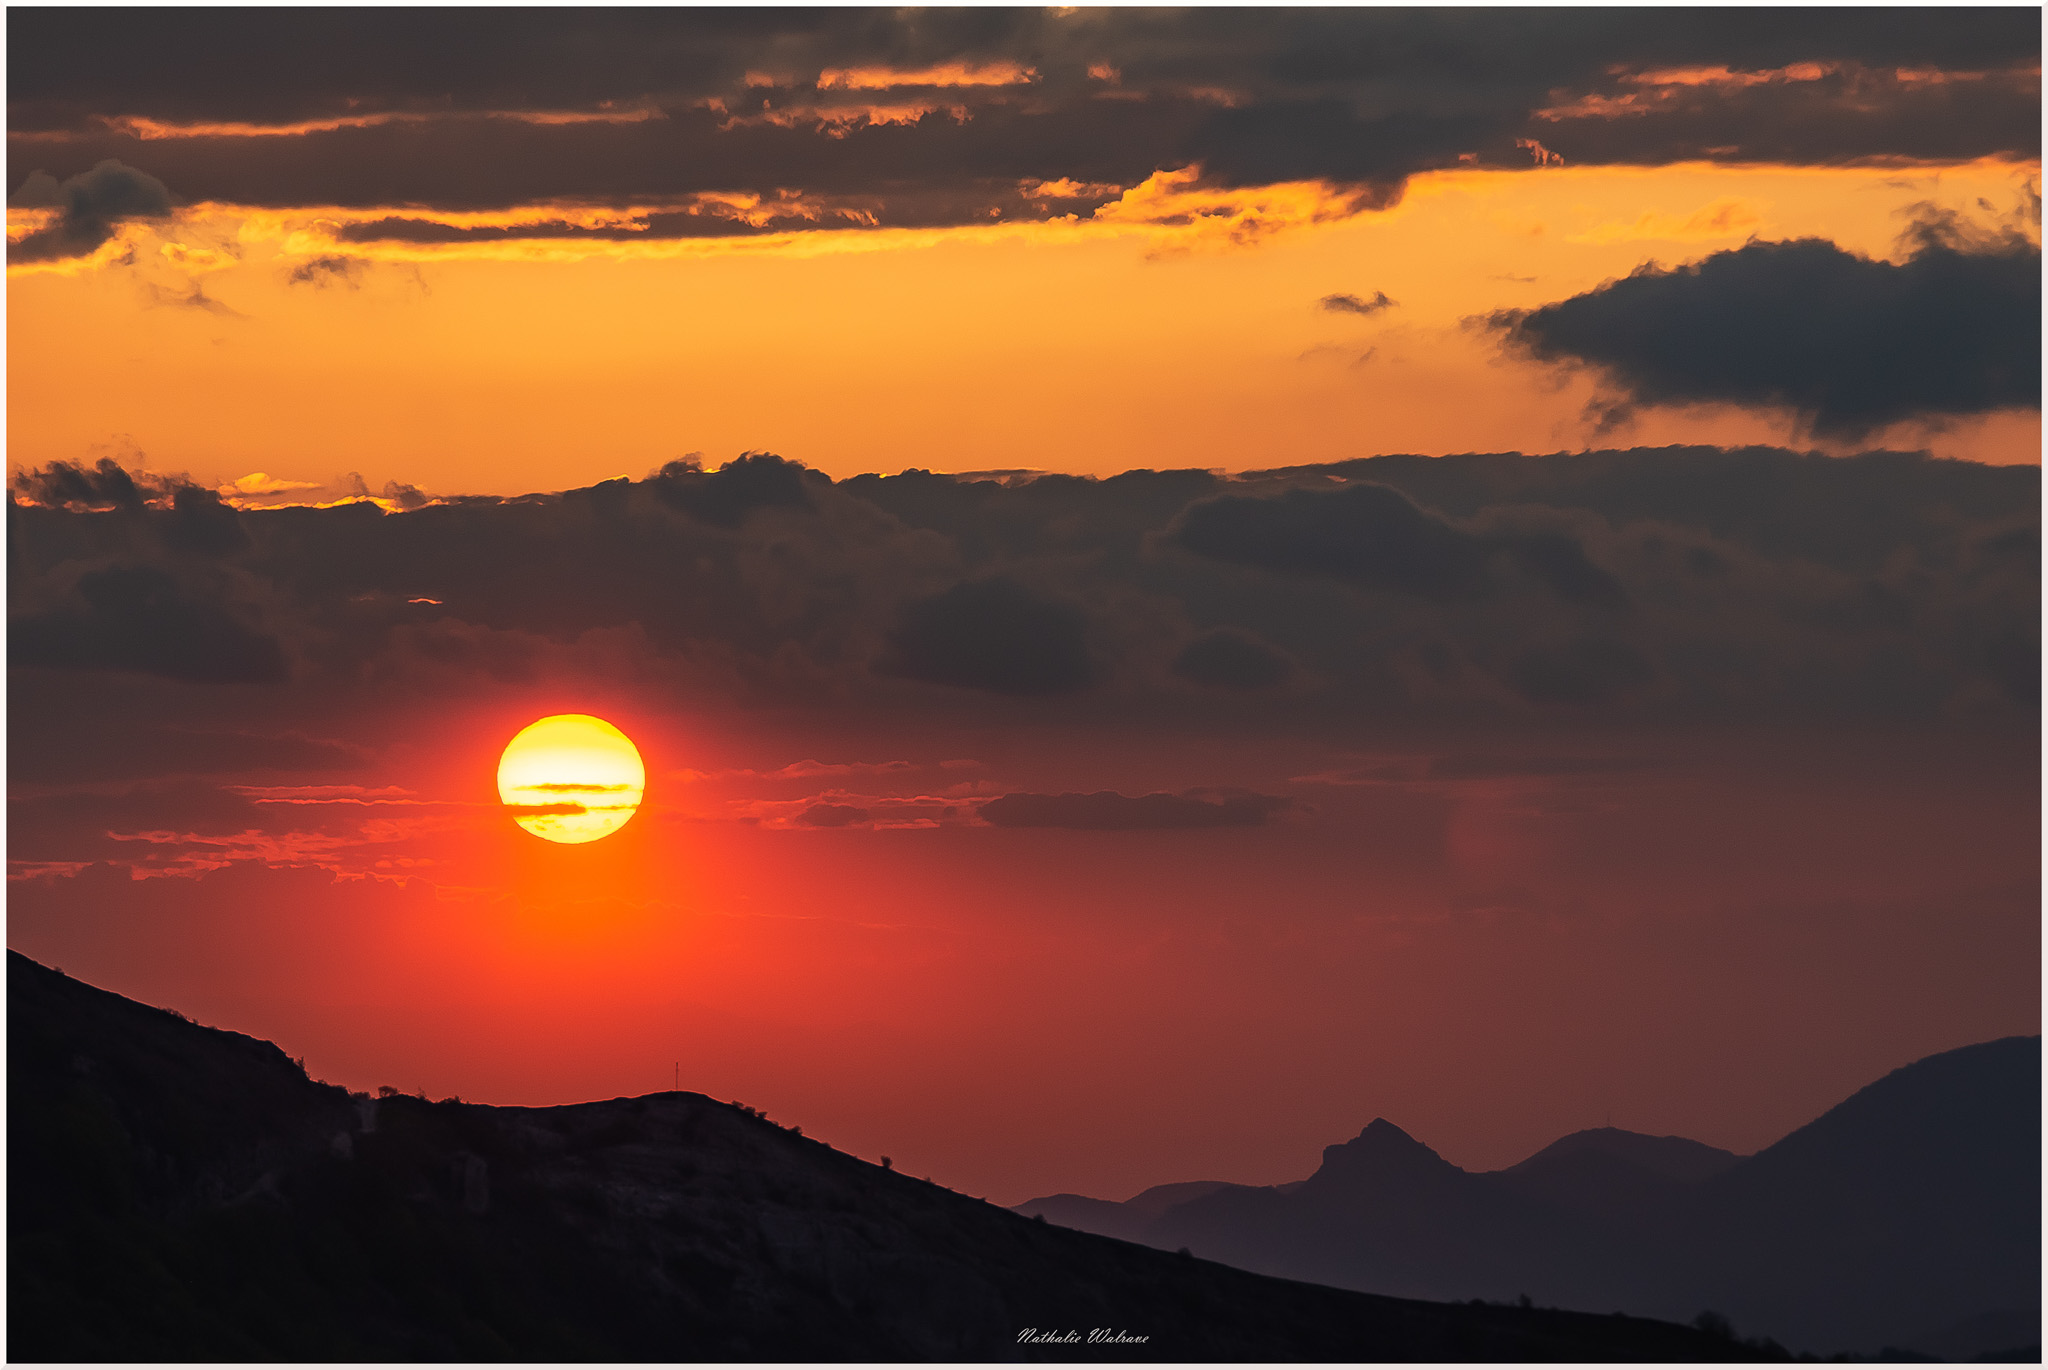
{"x": 1380, "y": 1133}
{"x": 1380, "y": 1153}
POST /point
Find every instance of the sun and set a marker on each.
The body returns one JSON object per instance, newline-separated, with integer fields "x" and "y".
{"x": 571, "y": 778}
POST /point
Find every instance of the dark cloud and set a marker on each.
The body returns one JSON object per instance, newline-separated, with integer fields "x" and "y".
{"x": 1356, "y": 304}
{"x": 1367, "y": 535}
{"x": 1561, "y": 563}
{"x": 724, "y": 498}
{"x": 1779, "y": 504}
{"x": 1463, "y": 767}
{"x": 286, "y": 65}
{"x": 990, "y": 519}
{"x": 403, "y": 495}
{"x": 675, "y": 103}
{"x": 1822, "y": 111}
{"x": 89, "y": 207}
{"x": 122, "y": 746}
{"x": 1589, "y": 671}
{"x": 186, "y": 517}
{"x": 2014, "y": 660}
{"x": 1675, "y": 582}
{"x": 138, "y": 618}
{"x": 1108, "y": 811}
{"x": 1848, "y": 343}
{"x": 201, "y": 522}
{"x": 105, "y": 484}
{"x": 329, "y": 270}
{"x": 933, "y": 171}
{"x": 993, "y": 635}
{"x": 1232, "y": 659}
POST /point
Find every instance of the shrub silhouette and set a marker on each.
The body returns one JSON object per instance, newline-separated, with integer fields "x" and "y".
{"x": 1714, "y": 1325}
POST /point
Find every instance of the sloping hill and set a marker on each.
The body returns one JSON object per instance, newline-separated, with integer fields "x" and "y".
{"x": 181, "y": 1193}
{"x": 1913, "y": 1204}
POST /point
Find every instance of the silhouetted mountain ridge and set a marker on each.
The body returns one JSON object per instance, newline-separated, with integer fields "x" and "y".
{"x": 1905, "y": 1216}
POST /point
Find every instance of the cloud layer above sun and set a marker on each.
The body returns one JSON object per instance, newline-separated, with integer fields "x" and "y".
{"x": 1672, "y": 587}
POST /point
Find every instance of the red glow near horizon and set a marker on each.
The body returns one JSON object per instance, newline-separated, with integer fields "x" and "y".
{"x": 961, "y": 996}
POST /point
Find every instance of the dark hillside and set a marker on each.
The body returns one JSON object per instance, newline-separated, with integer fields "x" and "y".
{"x": 181, "y": 1193}
{"x": 1913, "y": 1203}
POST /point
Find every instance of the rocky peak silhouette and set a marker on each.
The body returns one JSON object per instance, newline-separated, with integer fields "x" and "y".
{"x": 1380, "y": 1156}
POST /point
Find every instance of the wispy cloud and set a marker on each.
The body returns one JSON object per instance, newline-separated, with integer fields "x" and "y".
{"x": 1357, "y": 304}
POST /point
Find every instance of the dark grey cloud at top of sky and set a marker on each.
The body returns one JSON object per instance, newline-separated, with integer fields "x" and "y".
{"x": 503, "y": 108}
{"x": 285, "y": 65}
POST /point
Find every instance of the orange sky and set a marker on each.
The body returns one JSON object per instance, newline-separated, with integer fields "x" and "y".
{"x": 1498, "y": 796}
{"x": 1092, "y": 346}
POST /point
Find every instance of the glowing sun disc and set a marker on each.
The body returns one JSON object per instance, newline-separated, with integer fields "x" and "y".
{"x": 571, "y": 778}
